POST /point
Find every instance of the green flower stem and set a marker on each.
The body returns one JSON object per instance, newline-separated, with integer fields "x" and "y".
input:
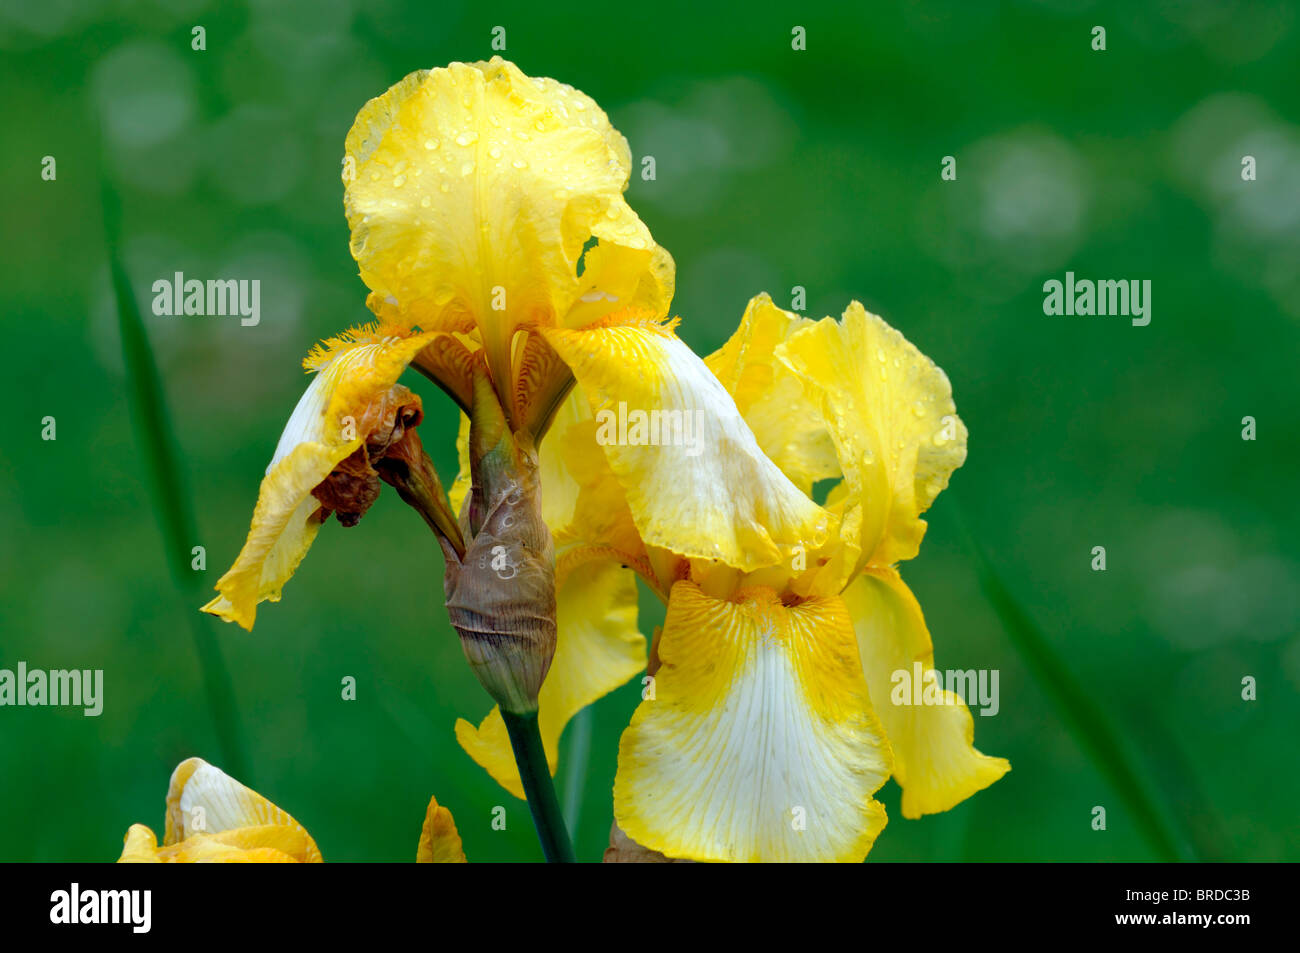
{"x": 530, "y": 756}
{"x": 175, "y": 512}
{"x": 1091, "y": 727}
{"x": 577, "y": 759}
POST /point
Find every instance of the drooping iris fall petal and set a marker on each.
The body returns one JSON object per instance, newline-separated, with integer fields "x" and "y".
{"x": 759, "y": 742}
{"x": 935, "y": 760}
{"x": 693, "y": 475}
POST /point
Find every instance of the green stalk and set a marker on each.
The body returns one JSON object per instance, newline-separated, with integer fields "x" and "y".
{"x": 575, "y": 772}
{"x": 1083, "y": 717}
{"x": 148, "y": 404}
{"x": 530, "y": 756}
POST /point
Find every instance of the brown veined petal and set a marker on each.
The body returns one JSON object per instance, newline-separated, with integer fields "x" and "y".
{"x": 890, "y": 411}
{"x": 759, "y": 742}
{"x": 935, "y": 759}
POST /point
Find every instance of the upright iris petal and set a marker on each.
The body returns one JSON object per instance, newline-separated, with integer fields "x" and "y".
{"x": 472, "y": 192}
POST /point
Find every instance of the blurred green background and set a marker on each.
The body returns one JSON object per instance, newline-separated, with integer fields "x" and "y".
{"x": 775, "y": 168}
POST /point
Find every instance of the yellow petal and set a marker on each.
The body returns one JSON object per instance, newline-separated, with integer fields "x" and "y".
{"x": 694, "y": 477}
{"x": 140, "y": 846}
{"x": 353, "y": 391}
{"x": 247, "y": 846}
{"x": 760, "y": 742}
{"x": 785, "y": 419}
{"x": 935, "y": 760}
{"x": 203, "y": 800}
{"x": 598, "y": 648}
{"x": 464, "y": 478}
{"x": 439, "y": 839}
{"x": 267, "y": 844}
{"x": 890, "y": 412}
{"x": 471, "y": 192}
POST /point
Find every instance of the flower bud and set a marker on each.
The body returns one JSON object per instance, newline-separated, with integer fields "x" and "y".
{"x": 501, "y": 593}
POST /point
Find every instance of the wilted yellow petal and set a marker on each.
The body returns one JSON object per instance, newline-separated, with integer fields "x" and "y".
{"x": 439, "y": 839}
{"x": 353, "y": 392}
{"x": 598, "y": 648}
{"x": 760, "y": 743}
{"x": 785, "y": 419}
{"x": 471, "y": 192}
{"x": 693, "y": 475}
{"x": 890, "y": 412}
{"x": 935, "y": 760}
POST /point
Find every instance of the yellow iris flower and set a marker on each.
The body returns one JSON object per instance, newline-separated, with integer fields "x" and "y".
{"x": 474, "y": 194}
{"x": 212, "y": 818}
{"x": 488, "y": 222}
{"x": 770, "y": 725}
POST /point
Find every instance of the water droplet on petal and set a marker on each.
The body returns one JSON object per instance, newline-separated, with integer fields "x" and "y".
{"x": 425, "y": 202}
{"x": 467, "y": 139}
{"x": 398, "y": 181}
{"x": 519, "y": 164}
{"x": 495, "y": 152}
{"x": 466, "y": 168}
{"x": 430, "y": 144}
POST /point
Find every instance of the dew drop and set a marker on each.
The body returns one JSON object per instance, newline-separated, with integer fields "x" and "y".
{"x": 430, "y": 144}
{"x": 399, "y": 181}
{"x": 494, "y": 152}
{"x": 519, "y": 164}
{"x": 425, "y": 202}
{"x": 467, "y": 139}
{"x": 466, "y": 168}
